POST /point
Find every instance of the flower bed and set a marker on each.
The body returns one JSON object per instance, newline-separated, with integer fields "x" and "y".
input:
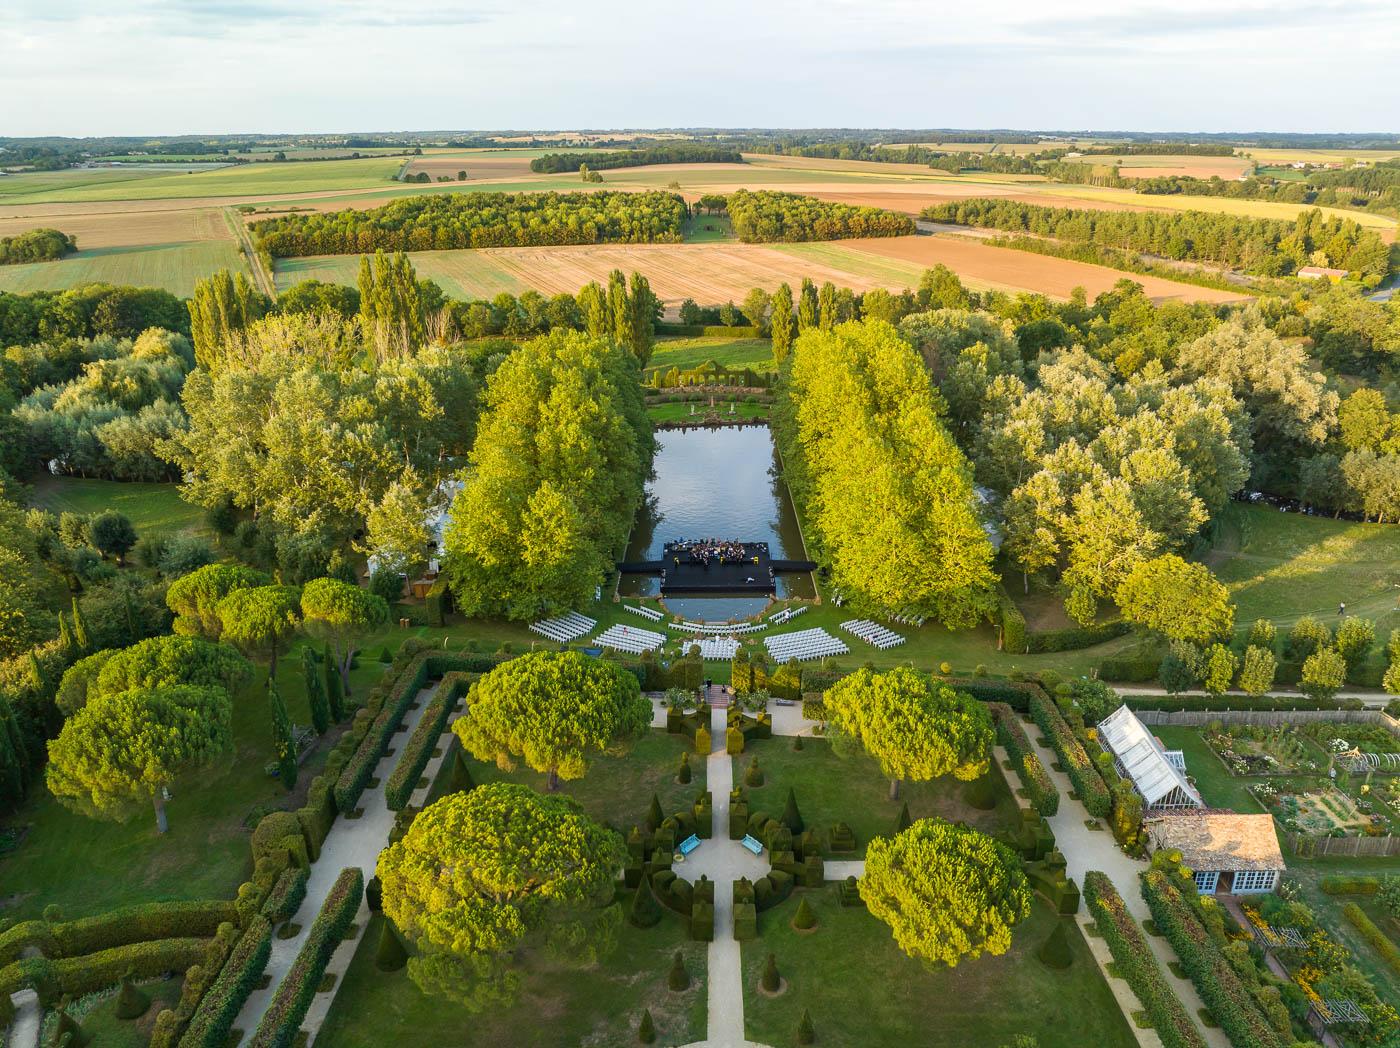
{"x": 1138, "y": 965}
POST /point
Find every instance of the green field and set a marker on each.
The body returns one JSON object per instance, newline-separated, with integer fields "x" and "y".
{"x": 708, "y": 229}
{"x": 464, "y": 274}
{"x": 679, "y": 412}
{"x": 242, "y": 180}
{"x": 756, "y": 353}
{"x": 154, "y": 509}
{"x": 173, "y": 267}
{"x": 863, "y": 992}
{"x": 1282, "y": 566}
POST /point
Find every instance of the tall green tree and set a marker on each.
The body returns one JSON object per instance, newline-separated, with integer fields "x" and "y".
{"x": 782, "y": 323}
{"x": 553, "y": 711}
{"x": 392, "y": 312}
{"x": 342, "y": 615}
{"x": 316, "y": 698}
{"x": 222, "y": 305}
{"x": 261, "y": 620}
{"x": 914, "y": 728}
{"x": 947, "y": 892}
{"x": 283, "y": 739}
{"x": 1178, "y": 599}
{"x": 123, "y": 751}
{"x": 482, "y": 876}
{"x": 195, "y": 597}
{"x": 160, "y": 662}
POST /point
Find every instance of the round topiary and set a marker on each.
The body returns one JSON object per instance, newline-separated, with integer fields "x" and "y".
{"x": 678, "y": 979}
{"x": 804, "y": 920}
{"x": 945, "y": 668}
{"x": 754, "y": 775}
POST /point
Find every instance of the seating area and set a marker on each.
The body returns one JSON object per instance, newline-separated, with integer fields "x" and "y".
{"x": 804, "y": 645}
{"x": 688, "y": 845}
{"x": 718, "y": 628}
{"x": 716, "y": 649}
{"x": 872, "y": 633}
{"x": 632, "y": 639}
{"x": 564, "y": 628}
{"x": 908, "y": 620}
{"x": 646, "y": 613}
{"x": 787, "y": 615}
{"x": 752, "y": 844}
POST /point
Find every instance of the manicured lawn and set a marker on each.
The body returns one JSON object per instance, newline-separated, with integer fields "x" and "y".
{"x": 86, "y": 866}
{"x": 559, "y": 1007}
{"x": 704, "y": 229}
{"x": 830, "y": 789}
{"x": 1218, "y": 788}
{"x": 756, "y": 353}
{"x": 154, "y": 509}
{"x": 617, "y": 790}
{"x": 1282, "y": 566}
{"x": 863, "y": 992}
{"x": 105, "y": 1029}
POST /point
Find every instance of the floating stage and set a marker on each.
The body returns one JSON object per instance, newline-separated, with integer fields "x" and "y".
{"x": 715, "y": 566}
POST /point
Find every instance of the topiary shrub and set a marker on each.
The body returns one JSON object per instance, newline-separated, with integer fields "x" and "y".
{"x": 646, "y": 1029}
{"x": 753, "y": 776}
{"x": 733, "y": 741}
{"x": 390, "y": 955}
{"x": 702, "y": 741}
{"x": 683, "y": 772}
{"x": 770, "y": 980}
{"x": 645, "y": 911}
{"x": 132, "y": 1003}
{"x": 678, "y": 979}
{"x": 804, "y": 920}
{"x": 792, "y": 818}
{"x": 806, "y": 1033}
{"x": 797, "y": 743}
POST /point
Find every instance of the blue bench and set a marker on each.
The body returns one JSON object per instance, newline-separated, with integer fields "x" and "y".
{"x": 752, "y": 844}
{"x": 689, "y": 844}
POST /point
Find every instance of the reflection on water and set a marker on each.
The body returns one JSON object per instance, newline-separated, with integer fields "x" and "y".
{"x": 716, "y": 483}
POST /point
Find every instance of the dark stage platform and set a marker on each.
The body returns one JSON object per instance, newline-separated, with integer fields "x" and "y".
{"x": 715, "y": 566}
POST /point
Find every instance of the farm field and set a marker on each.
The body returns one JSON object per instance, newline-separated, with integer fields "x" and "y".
{"x": 111, "y": 228}
{"x": 1318, "y": 156}
{"x": 1185, "y": 166}
{"x": 1282, "y": 566}
{"x": 174, "y": 267}
{"x": 985, "y": 266}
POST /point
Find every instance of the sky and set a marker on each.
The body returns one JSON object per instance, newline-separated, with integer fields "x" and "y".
{"x": 164, "y": 67}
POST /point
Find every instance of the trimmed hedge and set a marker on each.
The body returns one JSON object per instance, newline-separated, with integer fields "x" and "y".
{"x": 1138, "y": 964}
{"x": 713, "y": 330}
{"x": 78, "y": 976}
{"x": 1226, "y": 995}
{"x": 1013, "y": 623}
{"x": 1075, "y": 638}
{"x": 140, "y": 923}
{"x": 1044, "y": 796}
{"x": 1014, "y": 693}
{"x": 219, "y": 1008}
{"x": 1337, "y": 885}
{"x": 286, "y": 895}
{"x": 1088, "y": 783}
{"x": 282, "y": 1020}
{"x": 1130, "y": 669}
{"x": 419, "y": 748}
{"x": 1378, "y": 939}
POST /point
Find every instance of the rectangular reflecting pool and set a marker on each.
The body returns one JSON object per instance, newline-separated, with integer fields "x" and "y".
{"x": 721, "y": 483}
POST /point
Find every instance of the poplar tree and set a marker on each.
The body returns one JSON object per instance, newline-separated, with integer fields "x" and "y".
{"x": 781, "y": 324}
{"x": 316, "y": 698}
{"x": 283, "y": 740}
{"x": 222, "y": 305}
{"x": 807, "y": 306}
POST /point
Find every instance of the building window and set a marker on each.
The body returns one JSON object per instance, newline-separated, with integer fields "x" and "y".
{"x": 1206, "y": 880}
{"x": 1247, "y": 881}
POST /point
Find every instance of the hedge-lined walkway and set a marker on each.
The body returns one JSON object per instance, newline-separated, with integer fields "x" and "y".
{"x": 351, "y": 842}
{"x": 1085, "y": 849}
{"x": 29, "y": 1020}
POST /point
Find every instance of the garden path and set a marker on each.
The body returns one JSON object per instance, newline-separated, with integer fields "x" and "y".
{"x": 1085, "y": 849}
{"x": 28, "y": 1022}
{"x": 1371, "y": 698}
{"x": 351, "y": 842}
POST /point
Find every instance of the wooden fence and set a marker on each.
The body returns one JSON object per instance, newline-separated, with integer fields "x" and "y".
{"x": 1268, "y": 718}
{"x": 1309, "y": 847}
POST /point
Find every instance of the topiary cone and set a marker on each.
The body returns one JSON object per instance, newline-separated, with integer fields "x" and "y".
{"x": 645, "y": 911}
{"x": 797, "y": 742}
{"x": 771, "y": 981}
{"x": 792, "y": 818}
{"x": 654, "y": 816}
{"x": 461, "y": 775}
{"x": 1054, "y": 952}
{"x": 131, "y": 1002}
{"x": 390, "y": 956}
{"x": 677, "y": 978}
{"x": 805, "y": 1032}
{"x": 904, "y": 821}
{"x": 646, "y": 1030}
{"x": 804, "y": 919}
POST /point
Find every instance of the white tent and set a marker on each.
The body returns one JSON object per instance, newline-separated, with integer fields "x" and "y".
{"x": 1140, "y": 758}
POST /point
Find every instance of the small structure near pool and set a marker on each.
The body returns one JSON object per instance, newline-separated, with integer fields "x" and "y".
{"x": 1229, "y": 853}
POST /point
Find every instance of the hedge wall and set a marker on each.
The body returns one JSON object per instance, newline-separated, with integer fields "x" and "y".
{"x": 286, "y": 895}
{"x": 1075, "y": 638}
{"x": 283, "y": 1017}
{"x": 1221, "y": 988}
{"x": 419, "y": 749}
{"x": 1044, "y": 796}
{"x": 1138, "y": 965}
{"x": 1014, "y": 693}
{"x": 1088, "y": 783}
{"x": 219, "y": 1008}
{"x": 1013, "y": 623}
{"x": 78, "y": 976}
{"x": 1338, "y": 885}
{"x": 1378, "y": 939}
{"x": 140, "y": 923}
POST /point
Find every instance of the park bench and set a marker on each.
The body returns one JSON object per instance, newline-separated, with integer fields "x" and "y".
{"x": 752, "y": 844}
{"x": 689, "y": 844}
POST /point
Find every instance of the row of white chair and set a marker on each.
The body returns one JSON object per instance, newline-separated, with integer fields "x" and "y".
{"x": 644, "y": 612}
{"x": 786, "y": 615}
{"x": 722, "y": 629}
{"x": 872, "y": 633}
{"x": 804, "y": 645}
{"x": 631, "y": 639}
{"x": 564, "y": 628}
{"x": 717, "y": 648}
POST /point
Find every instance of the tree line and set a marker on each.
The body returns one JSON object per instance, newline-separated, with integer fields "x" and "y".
{"x": 467, "y": 220}
{"x": 667, "y": 153}
{"x": 886, "y": 491}
{"x": 766, "y": 216}
{"x": 88, "y": 311}
{"x": 1267, "y": 247}
{"x": 36, "y": 245}
{"x": 554, "y": 478}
